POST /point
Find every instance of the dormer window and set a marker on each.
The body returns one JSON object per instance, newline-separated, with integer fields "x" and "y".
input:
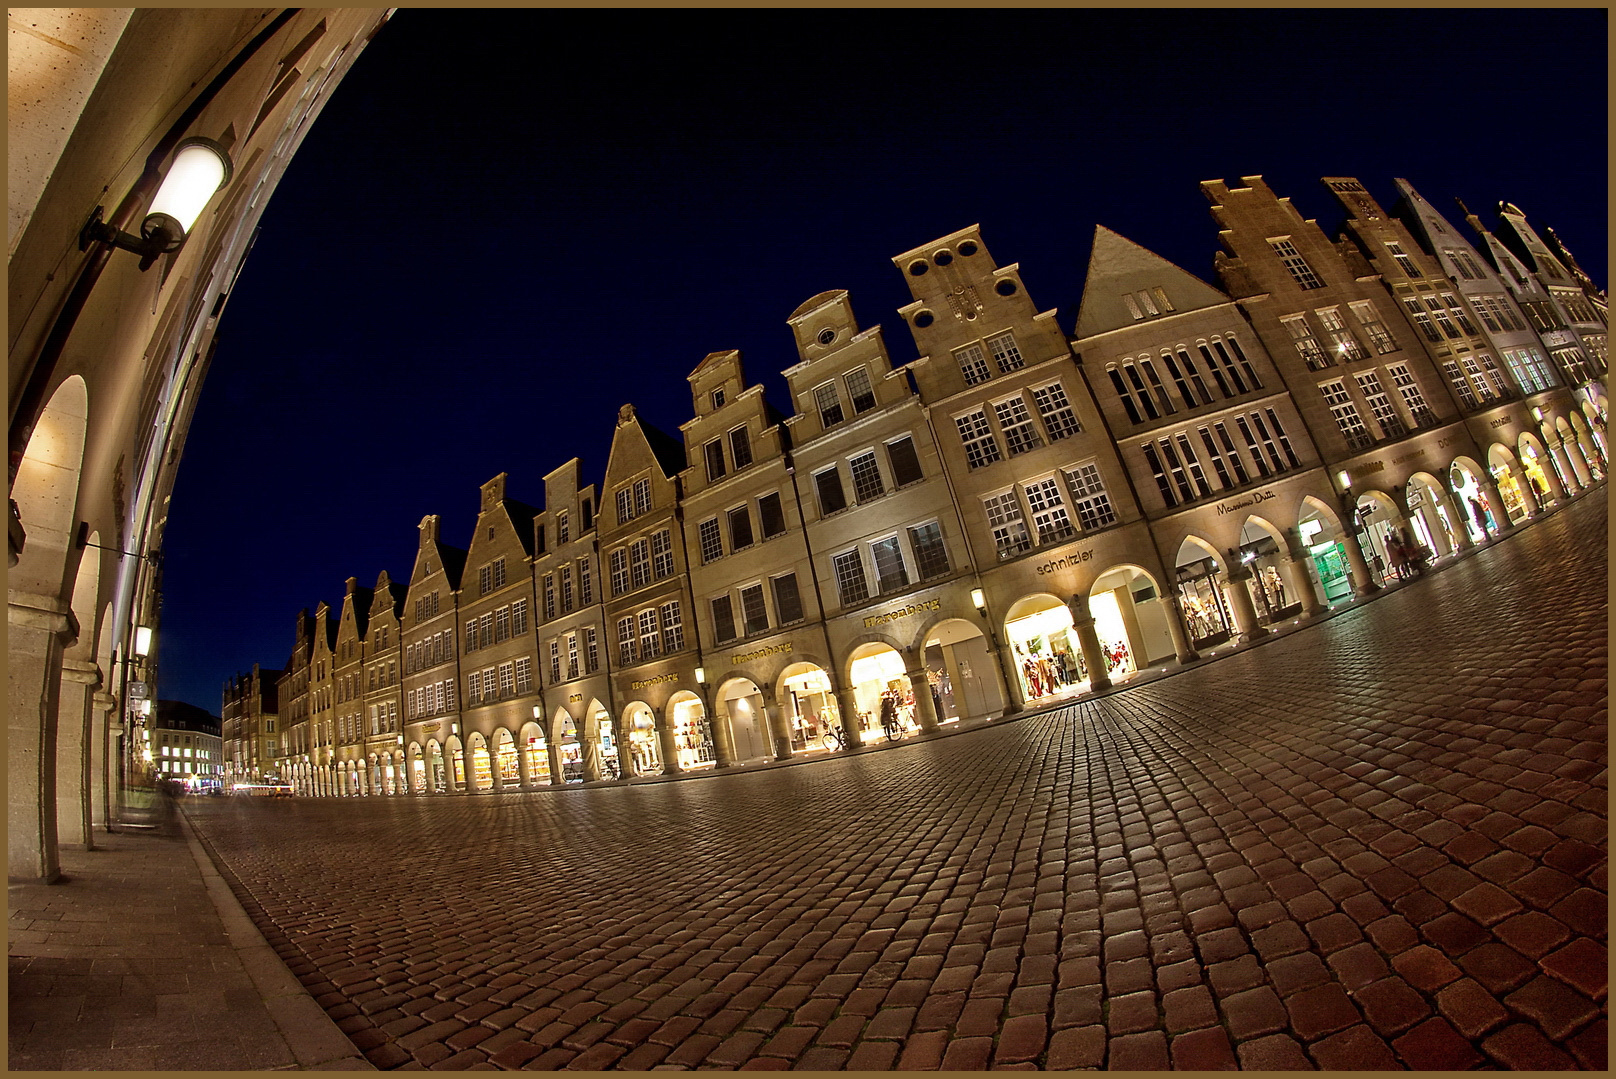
{"x": 718, "y": 398}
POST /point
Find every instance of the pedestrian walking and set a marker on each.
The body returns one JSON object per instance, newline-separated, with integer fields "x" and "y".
{"x": 1396, "y": 555}
{"x": 1480, "y": 514}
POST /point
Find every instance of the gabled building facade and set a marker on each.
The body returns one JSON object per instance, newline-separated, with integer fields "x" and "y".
{"x": 248, "y": 722}
{"x": 296, "y": 717}
{"x": 384, "y": 737}
{"x": 348, "y": 685}
{"x": 430, "y": 638}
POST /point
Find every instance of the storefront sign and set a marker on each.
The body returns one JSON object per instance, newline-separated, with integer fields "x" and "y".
{"x": 1449, "y": 441}
{"x": 1371, "y": 468}
{"x": 1555, "y": 338}
{"x": 1500, "y": 423}
{"x": 431, "y": 728}
{"x": 904, "y": 612}
{"x": 1070, "y": 560}
{"x": 575, "y": 698}
{"x": 1411, "y": 456}
{"x": 137, "y": 691}
{"x": 657, "y": 681}
{"x": 1256, "y": 497}
{"x": 771, "y": 650}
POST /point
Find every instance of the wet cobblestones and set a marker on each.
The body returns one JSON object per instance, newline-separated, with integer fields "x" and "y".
{"x": 1379, "y": 842}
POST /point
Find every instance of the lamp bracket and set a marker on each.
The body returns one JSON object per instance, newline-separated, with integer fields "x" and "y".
{"x": 157, "y": 239}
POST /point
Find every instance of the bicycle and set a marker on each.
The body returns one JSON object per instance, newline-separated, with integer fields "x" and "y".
{"x": 834, "y": 737}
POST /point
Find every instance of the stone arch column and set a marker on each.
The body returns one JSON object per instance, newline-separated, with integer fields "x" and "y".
{"x": 102, "y": 703}
{"x": 79, "y": 679}
{"x": 848, "y": 700}
{"x": 41, "y": 629}
{"x": 668, "y": 738}
{"x": 775, "y": 719}
{"x": 1234, "y": 579}
{"x": 589, "y": 745}
{"x": 1177, "y": 628}
{"x": 914, "y": 664}
{"x": 625, "y": 754}
{"x": 1443, "y": 497}
{"x": 1494, "y": 501}
{"x": 552, "y": 749}
{"x": 1578, "y": 459}
{"x": 1089, "y": 641}
{"x": 1294, "y": 569}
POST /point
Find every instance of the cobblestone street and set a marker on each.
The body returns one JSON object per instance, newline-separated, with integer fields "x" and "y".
{"x": 1375, "y": 843}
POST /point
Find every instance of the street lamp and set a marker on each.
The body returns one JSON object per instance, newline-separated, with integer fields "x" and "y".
{"x": 201, "y": 167}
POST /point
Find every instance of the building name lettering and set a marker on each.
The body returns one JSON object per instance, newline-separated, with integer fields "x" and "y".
{"x": 1070, "y": 560}
{"x": 1371, "y": 468}
{"x": 1411, "y": 456}
{"x": 1256, "y": 497}
{"x": 657, "y": 681}
{"x": 1449, "y": 441}
{"x": 574, "y": 698}
{"x": 431, "y": 728}
{"x": 903, "y": 612}
{"x": 1500, "y": 423}
{"x": 771, "y": 650}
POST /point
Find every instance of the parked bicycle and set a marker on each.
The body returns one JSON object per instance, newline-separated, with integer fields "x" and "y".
{"x": 834, "y": 737}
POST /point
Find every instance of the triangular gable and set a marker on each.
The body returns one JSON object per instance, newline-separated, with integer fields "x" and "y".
{"x": 1119, "y": 267}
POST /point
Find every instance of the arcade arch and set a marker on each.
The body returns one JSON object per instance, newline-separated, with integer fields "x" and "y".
{"x": 692, "y": 732}
{"x": 507, "y": 768}
{"x": 966, "y": 680}
{"x": 742, "y": 709}
{"x": 644, "y": 750}
{"x": 534, "y": 756}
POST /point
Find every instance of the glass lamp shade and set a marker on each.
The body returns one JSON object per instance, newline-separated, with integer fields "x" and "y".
{"x": 200, "y": 168}
{"x": 143, "y": 636}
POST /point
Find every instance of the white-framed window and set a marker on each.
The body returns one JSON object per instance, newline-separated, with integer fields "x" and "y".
{"x": 507, "y": 679}
{"x": 931, "y": 554}
{"x": 524, "y": 674}
{"x": 572, "y": 655}
{"x": 642, "y": 497}
{"x": 586, "y": 581}
{"x": 850, "y": 583}
{"x": 502, "y": 624}
{"x": 1006, "y": 522}
{"x": 1421, "y": 320}
{"x": 1187, "y": 362}
{"x": 1413, "y": 400}
{"x": 625, "y": 505}
{"x": 1404, "y": 260}
{"x": 1457, "y": 310}
{"x": 1280, "y": 435}
{"x": 650, "y": 634}
{"x": 673, "y": 627}
{"x": 713, "y": 452}
{"x": 563, "y": 529}
{"x": 555, "y": 659}
{"x": 828, "y": 404}
{"x": 1005, "y": 353}
{"x": 591, "y": 650}
{"x": 485, "y": 629}
{"x": 474, "y": 687}
{"x": 625, "y": 640}
{"x": 639, "y": 562}
{"x": 1369, "y": 318}
{"x": 980, "y": 446}
{"x": 1215, "y": 454}
{"x": 1307, "y": 346}
{"x": 890, "y": 574}
{"x": 859, "y": 390}
{"x": 1016, "y": 422}
{"x": 973, "y": 364}
{"x": 1345, "y": 412}
{"x": 1048, "y": 511}
{"x": 1089, "y": 500}
{"x": 1060, "y": 421}
{"x": 1343, "y": 346}
{"x": 1380, "y": 404}
{"x": 619, "y": 564}
{"x": 740, "y": 447}
{"x": 661, "y": 554}
{"x": 754, "y": 610}
{"x": 867, "y": 483}
{"x": 710, "y": 538}
{"x": 1295, "y": 264}
{"x": 1444, "y": 321}
{"x": 549, "y": 594}
{"x": 566, "y": 588}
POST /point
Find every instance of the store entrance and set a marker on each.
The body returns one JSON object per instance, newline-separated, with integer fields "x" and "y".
{"x": 877, "y": 675}
{"x": 644, "y": 754}
{"x": 809, "y": 704}
{"x": 1206, "y": 609}
{"x": 1048, "y": 659}
{"x": 959, "y": 666}
{"x": 741, "y": 705}
{"x": 571, "y": 751}
{"x": 692, "y": 732}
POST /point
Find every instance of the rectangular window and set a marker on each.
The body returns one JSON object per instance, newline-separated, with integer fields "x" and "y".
{"x": 673, "y": 627}
{"x": 1048, "y": 511}
{"x": 1005, "y": 353}
{"x": 1295, "y": 264}
{"x": 474, "y": 687}
{"x": 1186, "y": 450}
{"x": 1343, "y": 346}
{"x": 555, "y": 660}
{"x": 980, "y": 446}
{"x": 1141, "y": 394}
{"x": 1157, "y": 389}
{"x": 572, "y": 655}
{"x": 563, "y": 528}
{"x": 711, "y": 538}
{"x": 1255, "y": 449}
{"x": 1123, "y": 394}
{"x": 1016, "y": 423}
{"x": 723, "y": 620}
{"x": 740, "y": 528}
{"x": 714, "y": 454}
{"x": 1404, "y": 260}
{"x": 1422, "y": 321}
{"x": 1175, "y": 469}
{"x": 973, "y": 364}
{"x": 890, "y": 574}
{"x": 829, "y": 405}
{"x": 850, "y": 584}
{"x": 1440, "y": 312}
{"x": 566, "y": 588}
{"x": 549, "y": 597}
{"x": 591, "y": 650}
{"x": 642, "y": 497}
{"x": 625, "y": 640}
{"x": 639, "y": 562}
{"x": 1369, "y": 318}
{"x": 586, "y": 581}
{"x": 1346, "y": 415}
{"x": 661, "y": 555}
{"x": 787, "y": 601}
{"x": 1460, "y": 316}
{"x": 650, "y": 634}
{"x": 754, "y": 612}
{"x": 625, "y": 506}
{"x": 829, "y": 486}
{"x": 485, "y": 580}
{"x": 1215, "y": 455}
{"x": 931, "y": 556}
{"x": 903, "y": 460}
{"x": 1284, "y": 439}
{"x": 859, "y": 390}
{"x": 485, "y": 629}
{"x": 1467, "y": 396}
{"x": 1056, "y": 411}
{"x": 1089, "y": 500}
{"x": 507, "y": 679}
{"x": 1380, "y": 405}
{"x": 1307, "y": 346}
{"x": 866, "y": 477}
{"x": 502, "y": 624}
{"x": 524, "y": 674}
{"x": 1009, "y": 529}
{"x": 1267, "y": 441}
{"x": 740, "y": 447}
{"x": 1190, "y": 369}
{"x": 771, "y": 518}
{"x": 1475, "y": 367}
{"x": 619, "y": 563}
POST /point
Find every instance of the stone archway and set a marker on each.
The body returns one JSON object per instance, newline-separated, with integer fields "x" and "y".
{"x": 962, "y": 672}
{"x": 507, "y": 766}
{"x": 534, "y": 756}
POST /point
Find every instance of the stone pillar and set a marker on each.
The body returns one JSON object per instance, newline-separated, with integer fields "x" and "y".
{"x": 1493, "y": 499}
{"x": 1089, "y": 642}
{"x": 1245, "y": 615}
{"x": 723, "y": 736}
{"x": 558, "y": 775}
{"x": 1557, "y": 471}
{"x": 1363, "y": 582}
{"x": 41, "y": 627}
{"x": 102, "y": 706}
{"x": 775, "y": 718}
{"x": 625, "y": 748}
{"x": 590, "y": 744}
{"x": 668, "y": 741}
{"x": 1294, "y": 569}
{"x": 79, "y": 678}
{"x": 1579, "y": 461}
{"x": 1004, "y": 660}
{"x": 850, "y": 725}
{"x": 1457, "y": 516}
{"x": 925, "y": 707}
{"x": 1183, "y": 650}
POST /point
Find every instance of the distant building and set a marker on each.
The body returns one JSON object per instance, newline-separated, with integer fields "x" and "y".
{"x": 252, "y": 744}
{"x": 186, "y": 745}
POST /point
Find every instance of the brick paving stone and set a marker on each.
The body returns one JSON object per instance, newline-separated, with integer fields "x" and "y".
{"x": 1254, "y": 1012}
{"x": 1435, "y": 1046}
{"x": 1138, "y": 1052}
{"x": 1557, "y": 1009}
{"x": 1276, "y": 1052}
{"x": 1324, "y": 1010}
{"x": 1583, "y": 965}
{"x": 1207, "y": 1049}
{"x": 1471, "y": 1008}
{"x": 1524, "y": 1048}
{"x": 1357, "y": 1048}
{"x": 1074, "y": 1048}
{"x": 1498, "y": 967}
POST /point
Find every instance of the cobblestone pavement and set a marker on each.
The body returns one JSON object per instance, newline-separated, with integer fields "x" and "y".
{"x": 1375, "y": 844}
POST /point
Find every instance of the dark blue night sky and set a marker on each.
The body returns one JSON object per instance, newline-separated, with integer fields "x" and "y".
{"x": 508, "y": 223}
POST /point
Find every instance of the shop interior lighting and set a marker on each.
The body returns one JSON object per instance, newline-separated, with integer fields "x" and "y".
{"x": 201, "y": 167}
